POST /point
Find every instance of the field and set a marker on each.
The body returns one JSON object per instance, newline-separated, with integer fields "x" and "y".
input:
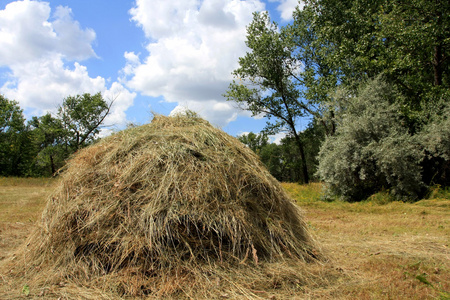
{"x": 381, "y": 249}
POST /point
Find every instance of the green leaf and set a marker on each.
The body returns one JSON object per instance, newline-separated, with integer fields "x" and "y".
{"x": 26, "y": 290}
{"x": 422, "y": 278}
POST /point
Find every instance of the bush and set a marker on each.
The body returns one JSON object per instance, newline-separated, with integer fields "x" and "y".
{"x": 435, "y": 140}
{"x": 372, "y": 149}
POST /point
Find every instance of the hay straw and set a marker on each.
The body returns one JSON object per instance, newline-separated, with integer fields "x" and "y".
{"x": 153, "y": 208}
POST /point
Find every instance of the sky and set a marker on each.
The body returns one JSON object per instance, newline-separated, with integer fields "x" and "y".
{"x": 150, "y": 56}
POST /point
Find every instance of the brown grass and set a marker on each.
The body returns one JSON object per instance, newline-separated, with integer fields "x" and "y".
{"x": 21, "y": 204}
{"x": 389, "y": 251}
{"x": 379, "y": 251}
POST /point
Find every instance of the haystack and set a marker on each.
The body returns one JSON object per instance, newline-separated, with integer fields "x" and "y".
{"x": 148, "y": 207}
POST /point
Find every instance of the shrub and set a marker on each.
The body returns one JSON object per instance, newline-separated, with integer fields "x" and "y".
{"x": 435, "y": 140}
{"x": 372, "y": 149}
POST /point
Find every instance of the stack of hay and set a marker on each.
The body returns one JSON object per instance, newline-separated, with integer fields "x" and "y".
{"x": 162, "y": 209}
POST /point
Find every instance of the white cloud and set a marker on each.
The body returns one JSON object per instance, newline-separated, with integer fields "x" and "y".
{"x": 42, "y": 52}
{"x": 122, "y": 99}
{"x": 26, "y": 33}
{"x": 42, "y": 84}
{"x": 242, "y": 133}
{"x": 276, "y": 138}
{"x": 194, "y": 46}
{"x": 217, "y": 112}
{"x": 287, "y": 7}
{"x": 160, "y": 18}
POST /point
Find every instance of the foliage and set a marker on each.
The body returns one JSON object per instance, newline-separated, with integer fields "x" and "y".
{"x": 48, "y": 136}
{"x": 81, "y": 117}
{"x": 282, "y": 160}
{"x": 256, "y": 142}
{"x": 407, "y": 41}
{"x": 372, "y": 149}
{"x": 14, "y": 141}
{"x": 42, "y": 146}
{"x": 399, "y": 144}
{"x": 267, "y": 80}
{"x": 435, "y": 140}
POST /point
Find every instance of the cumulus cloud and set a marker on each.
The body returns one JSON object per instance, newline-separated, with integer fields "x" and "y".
{"x": 26, "y": 33}
{"x": 41, "y": 84}
{"x": 193, "y": 48}
{"x": 41, "y": 51}
{"x": 219, "y": 113}
{"x": 122, "y": 99}
{"x": 287, "y": 7}
{"x": 276, "y": 138}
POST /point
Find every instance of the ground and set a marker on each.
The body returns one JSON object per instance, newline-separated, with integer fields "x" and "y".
{"x": 381, "y": 249}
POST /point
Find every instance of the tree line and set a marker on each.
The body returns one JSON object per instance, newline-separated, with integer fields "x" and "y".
{"x": 373, "y": 75}
{"x": 41, "y": 146}
{"x": 282, "y": 159}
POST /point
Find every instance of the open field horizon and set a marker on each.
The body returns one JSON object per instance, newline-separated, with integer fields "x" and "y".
{"x": 376, "y": 249}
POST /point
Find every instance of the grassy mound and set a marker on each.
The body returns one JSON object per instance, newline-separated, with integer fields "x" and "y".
{"x": 162, "y": 209}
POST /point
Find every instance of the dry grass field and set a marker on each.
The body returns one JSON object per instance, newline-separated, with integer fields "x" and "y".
{"x": 376, "y": 249}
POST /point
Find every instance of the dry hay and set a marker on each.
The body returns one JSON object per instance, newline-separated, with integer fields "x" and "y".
{"x": 173, "y": 208}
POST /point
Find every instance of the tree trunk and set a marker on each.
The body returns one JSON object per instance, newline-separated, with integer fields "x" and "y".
{"x": 52, "y": 165}
{"x": 302, "y": 156}
{"x": 333, "y": 124}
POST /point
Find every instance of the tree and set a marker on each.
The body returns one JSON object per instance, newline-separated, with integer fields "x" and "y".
{"x": 256, "y": 142}
{"x": 48, "y": 136}
{"x": 282, "y": 160}
{"x": 346, "y": 44}
{"x": 435, "y": 140}
{"x": 14, "y": 146}
{"x": 406, "y": 41}
{"x": 268, "y": 83}
{"x": 372, "y": 149}
{"x": 81, "y": 117}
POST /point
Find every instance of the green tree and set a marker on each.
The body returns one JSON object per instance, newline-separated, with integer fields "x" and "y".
{"x": 268, "y": 81}
{"x": 282, "y": 160}
{"x": 407, "y": 41}
{"x": 14, "y": 139}
{"x": 256, "y": 142}
{"x": 48, "y": 136}
{"x": 345, "y": 44}
{"x": 435, "y": 140}
{"x": 81, "y": 117}
{"x": 272, "y": 158}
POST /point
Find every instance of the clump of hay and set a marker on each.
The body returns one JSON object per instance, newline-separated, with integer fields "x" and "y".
{"x": 172, "y": 202}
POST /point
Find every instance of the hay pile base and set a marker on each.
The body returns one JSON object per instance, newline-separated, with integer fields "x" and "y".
{"x": 164, "y": 210}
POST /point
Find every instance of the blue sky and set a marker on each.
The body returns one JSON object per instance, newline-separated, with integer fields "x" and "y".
{"x": 149, "y": 55}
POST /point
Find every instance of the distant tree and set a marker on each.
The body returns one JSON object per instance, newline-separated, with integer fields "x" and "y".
{"x": 282, "y": 160}
{"x": 14, "y": 140}
{"x": 272, "y": 158}
{"x": 81, "y": 117}
{"x": 256, "y": 142}
{"x": 41, "y": 147}
{"x": 267, "y": 83}
{"x": 48, "y": 136}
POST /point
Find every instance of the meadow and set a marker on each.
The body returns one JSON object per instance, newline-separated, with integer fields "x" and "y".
{"x": 379, "y": 249}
